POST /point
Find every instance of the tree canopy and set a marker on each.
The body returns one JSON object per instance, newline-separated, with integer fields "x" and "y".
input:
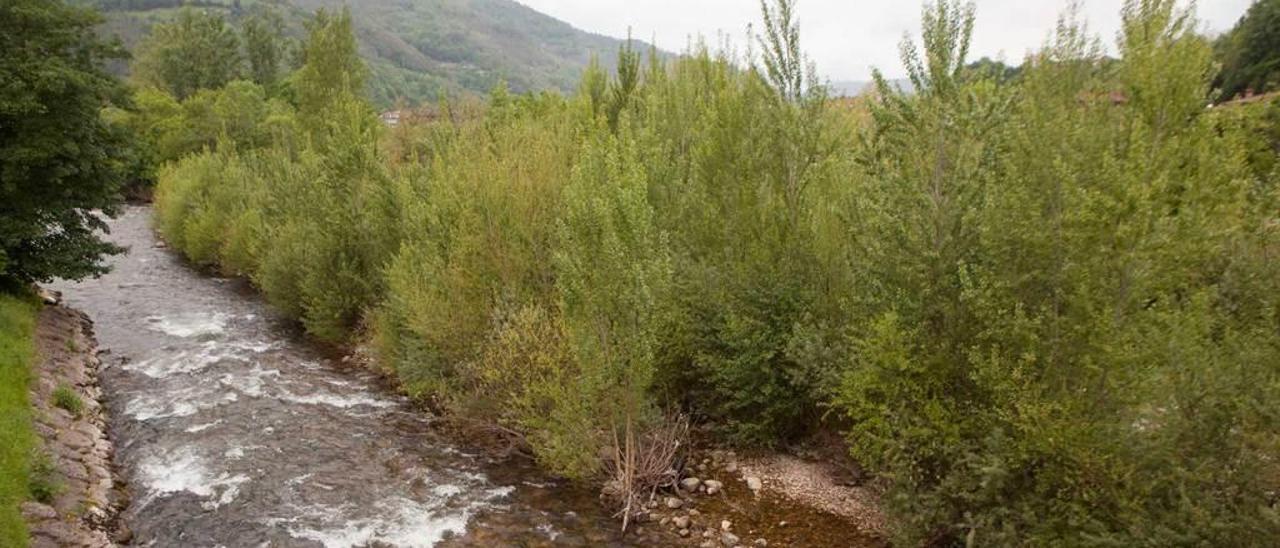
{"x": 1250, "y": 53}
{"x": 198, "y": 50}
{"x": 60, "y": 162}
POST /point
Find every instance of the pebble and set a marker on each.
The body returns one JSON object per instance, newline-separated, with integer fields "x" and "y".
{"x": 674, "y": 503}
{"x": 761, "y": 542}
{"x": 683, "y": 532}
{"x": 754, "y": 483}
{"x": 713, "y": 486}
{"x": 726, "y": 525}
{"x": 729, "y": 539}
{"x": 681, "y": 522}
{"x": 690, "y": 484}
{"x": 731, "y": 467}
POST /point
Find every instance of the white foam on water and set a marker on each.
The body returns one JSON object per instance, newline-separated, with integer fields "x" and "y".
{"x": 190, "y": 324}
{"x": 180, "y": 403}
{"x": 251, "y": 382}
{"x": 336, "y": 400}
{"x": 446, "y": 490}
{"x": 402, "y": 522}
{"x": 187, "y": 361}
{"x": 196, "y": 429}
{"x": 550, "y": 531}
{"x": 145, "y": 408}
{"x": 199, "y": 358}
{"x": 184, "y": 471}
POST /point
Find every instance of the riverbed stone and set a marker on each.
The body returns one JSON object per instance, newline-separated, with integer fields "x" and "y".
{"x": 713, "y": 486}
{"x": 76, "y": 440}
{"x": 38, "y": 511}
{"x": 754, "y": 483}
{"x": 690, "y": 484}
{"x": 729, "y": 539}
{"x": 674, "y": 503}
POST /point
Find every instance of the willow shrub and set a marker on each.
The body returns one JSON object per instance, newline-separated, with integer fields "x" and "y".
{"x": 1052, "y": 349}
{"x": 479, "y": 235}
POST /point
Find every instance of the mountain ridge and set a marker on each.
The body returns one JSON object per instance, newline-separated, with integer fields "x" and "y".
{"x": 416, "y": 49}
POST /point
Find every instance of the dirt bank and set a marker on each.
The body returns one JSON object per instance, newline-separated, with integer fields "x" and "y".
{"x": 82, "y": 495}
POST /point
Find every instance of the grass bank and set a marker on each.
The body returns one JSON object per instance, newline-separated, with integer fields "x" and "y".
{"x": 17, "y": 323}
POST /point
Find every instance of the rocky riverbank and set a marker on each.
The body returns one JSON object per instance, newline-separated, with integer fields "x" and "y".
{"x": 728, "y": 500}
{"x": 80, "y": 493}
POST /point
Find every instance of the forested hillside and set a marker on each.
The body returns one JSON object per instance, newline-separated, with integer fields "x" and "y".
{"x": 415, "y": 49}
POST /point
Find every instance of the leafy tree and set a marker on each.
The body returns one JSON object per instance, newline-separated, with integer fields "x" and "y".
{"x": 60, "y": 162}
{"x": 265, "y": 45}
{"x": 332, "y": 68}
{"x": 1250, "y": 53}
{"x": 196, "y": 51}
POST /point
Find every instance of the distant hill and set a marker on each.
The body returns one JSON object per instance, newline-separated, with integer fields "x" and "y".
{"x": 854, "y": 88}
{"x": 418, "y": 48}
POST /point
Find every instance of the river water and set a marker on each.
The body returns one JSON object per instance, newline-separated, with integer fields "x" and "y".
{"x": 232, "y": 430}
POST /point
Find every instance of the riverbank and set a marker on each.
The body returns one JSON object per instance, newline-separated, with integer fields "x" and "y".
{"x": 76, "y": 494}
{"x": 808, "y": 495}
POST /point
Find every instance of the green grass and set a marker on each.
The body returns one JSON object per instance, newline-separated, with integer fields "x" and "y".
{"x": 66, "y": 398}
{"x": 17, "y": 439}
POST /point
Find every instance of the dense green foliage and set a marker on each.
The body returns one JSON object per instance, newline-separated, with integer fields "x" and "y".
{"x": 196, "y": 51}
{"x": 1043, "y": 304}
{"x": 59, "y": 158}
{"x": 415, "y": 50}
{"x": 1250, "y": 53}
{"x": 17, "y": 439}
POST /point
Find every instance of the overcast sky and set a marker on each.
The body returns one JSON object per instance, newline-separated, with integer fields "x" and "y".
{"x": 846, "y": 38}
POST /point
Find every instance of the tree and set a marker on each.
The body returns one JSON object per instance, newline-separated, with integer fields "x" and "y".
{"x": 59, "y": 160}
{"x": 332, "y": 67}
{"x": 1250, "y": 53}
{"x": 264, "y": 46}
{"x": 196, "y": 51}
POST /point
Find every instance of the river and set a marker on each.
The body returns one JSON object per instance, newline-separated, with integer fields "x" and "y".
{"x": 233, "y": 430}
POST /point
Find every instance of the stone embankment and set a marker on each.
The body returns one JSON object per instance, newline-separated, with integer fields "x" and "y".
{"x": 80, "y": 492}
